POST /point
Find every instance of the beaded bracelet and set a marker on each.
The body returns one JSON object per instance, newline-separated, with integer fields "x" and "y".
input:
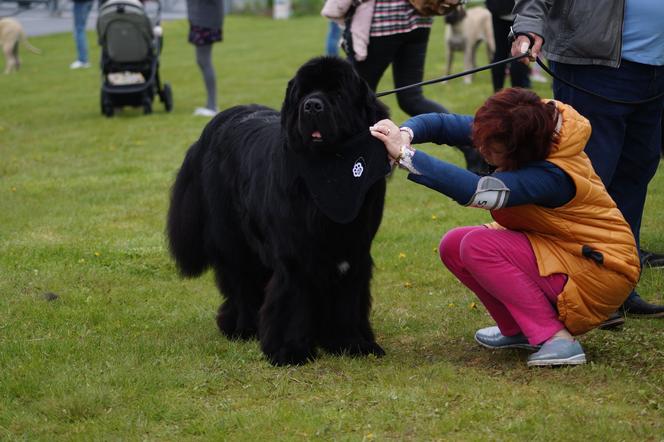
{"x": 409, "y": 131}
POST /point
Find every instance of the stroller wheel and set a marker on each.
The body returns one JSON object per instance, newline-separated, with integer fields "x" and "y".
{"x": 166, "y": 96}
{"x": 106, "y": 104}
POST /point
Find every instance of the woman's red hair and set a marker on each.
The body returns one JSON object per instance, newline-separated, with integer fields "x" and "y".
{"x": 518, "y": 120}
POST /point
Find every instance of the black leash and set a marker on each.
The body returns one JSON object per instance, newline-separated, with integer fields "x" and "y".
{"x": 511, "y": 59}
{"x": 453, "y": 76}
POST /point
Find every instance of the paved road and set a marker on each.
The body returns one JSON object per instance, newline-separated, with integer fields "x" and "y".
{"x": 38, "y": 20}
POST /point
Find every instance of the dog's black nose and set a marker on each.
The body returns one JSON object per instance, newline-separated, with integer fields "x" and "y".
{"x": 313, "y": 105}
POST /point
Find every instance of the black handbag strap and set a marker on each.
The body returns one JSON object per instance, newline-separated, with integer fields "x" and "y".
{"x": 347, "y": 44}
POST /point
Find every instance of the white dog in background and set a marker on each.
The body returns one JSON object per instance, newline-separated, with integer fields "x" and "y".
{"x": 11, "y": 34}
{"x": 465, "y": 30}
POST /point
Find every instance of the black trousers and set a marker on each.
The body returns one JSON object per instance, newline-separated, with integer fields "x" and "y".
{"x": 406, "y": 52}
{"x": 518, "y": 71}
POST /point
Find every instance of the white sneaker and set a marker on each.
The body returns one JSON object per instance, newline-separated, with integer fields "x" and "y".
{"x": 538, "y": 78}
{"x": 204, "y": 112}
{"x": 79, "y": 65}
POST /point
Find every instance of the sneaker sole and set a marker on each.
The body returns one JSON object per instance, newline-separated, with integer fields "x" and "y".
{"x": 613, "y": 324}
{"x": 654, "y": 265}
{"x": 522, "y": 346}
{"x": 572, "y": 360}
{"x": 652, "y": 315}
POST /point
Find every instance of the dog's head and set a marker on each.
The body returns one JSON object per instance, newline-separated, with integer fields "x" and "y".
{"x": 326, "y": 103}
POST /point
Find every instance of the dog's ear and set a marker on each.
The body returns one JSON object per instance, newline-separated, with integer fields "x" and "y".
{"x": 289, "y": 115}
{"x": 289, "y": 101}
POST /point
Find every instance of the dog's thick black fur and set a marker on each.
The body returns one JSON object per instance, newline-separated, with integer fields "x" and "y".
{"x": 289, "y": 274}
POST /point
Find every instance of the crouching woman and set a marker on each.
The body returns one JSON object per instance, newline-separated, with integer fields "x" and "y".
{"x": 560, "y": 257}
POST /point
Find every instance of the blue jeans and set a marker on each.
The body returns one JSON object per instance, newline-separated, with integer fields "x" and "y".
{"x": 332, "y": 40}
{"x": 81, "y": 13}
{"x": 624, "y": 147}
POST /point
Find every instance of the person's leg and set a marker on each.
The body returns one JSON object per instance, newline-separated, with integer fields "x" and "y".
{"x": 81, "y": 13}
{"x": 450, "y": 254}
{"x": 406, "y": 52}
{"x": 380, "y": 53}
{"x": 204, "y": 60}
{"x": 640, "y": 153}
{"x": 501, "y": 29}
{"x": 636, "y": 168}
{"x": 650, "y": 258}
{"x": 622, "y": 147}
{"x": 519, "y": 75}
{"x": 492, "y": 257}
{"x": 332, "y": 40}
{"x": 408, "y": 68}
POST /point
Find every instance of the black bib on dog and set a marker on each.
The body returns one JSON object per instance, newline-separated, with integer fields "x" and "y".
{"x": 339, "y": 181}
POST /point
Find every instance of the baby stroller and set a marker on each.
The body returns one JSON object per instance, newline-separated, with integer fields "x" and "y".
{"x": 130, "y": 57}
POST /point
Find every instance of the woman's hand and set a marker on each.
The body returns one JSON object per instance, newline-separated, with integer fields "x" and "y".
{"x": 388, "y": 132}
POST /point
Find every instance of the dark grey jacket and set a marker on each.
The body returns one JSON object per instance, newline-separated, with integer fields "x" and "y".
{"x": 206, "y": 13}
{"x": 575, "y": 32}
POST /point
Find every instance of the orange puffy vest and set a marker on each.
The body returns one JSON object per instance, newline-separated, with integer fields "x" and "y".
{"x": 587, "y": 239}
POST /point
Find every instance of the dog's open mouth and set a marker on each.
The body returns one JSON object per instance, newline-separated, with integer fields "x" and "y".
{"x": 316, "y": 136}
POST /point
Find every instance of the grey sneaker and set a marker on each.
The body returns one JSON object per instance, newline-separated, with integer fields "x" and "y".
{"x": 491, "y": 337}
{"x": 558, "y": 352}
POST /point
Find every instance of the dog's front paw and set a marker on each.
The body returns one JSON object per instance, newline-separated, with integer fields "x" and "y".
{"x": 234, "y": 326}
{"x": 358, "y": 347}
{"x": 290, "y": 354}
{"x": 376, "y": 350}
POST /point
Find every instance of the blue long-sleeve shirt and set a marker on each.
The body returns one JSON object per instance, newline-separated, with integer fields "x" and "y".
{"x": 540, "y": 182}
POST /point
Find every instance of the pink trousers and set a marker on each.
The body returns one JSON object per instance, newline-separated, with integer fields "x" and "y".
{"x": 500, "y": 267}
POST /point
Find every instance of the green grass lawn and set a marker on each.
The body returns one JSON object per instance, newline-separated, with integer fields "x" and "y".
{"x": 129, "y": 351}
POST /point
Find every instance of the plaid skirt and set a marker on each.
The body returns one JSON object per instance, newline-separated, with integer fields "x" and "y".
{"x": 200, "y": 36}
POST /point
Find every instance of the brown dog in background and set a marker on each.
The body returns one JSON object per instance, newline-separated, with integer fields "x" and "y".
{"x": 465, "y": 30}
{"x": 11, "y": 34}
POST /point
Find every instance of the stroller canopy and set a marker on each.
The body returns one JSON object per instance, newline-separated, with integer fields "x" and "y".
{"x": 125, "y": 31}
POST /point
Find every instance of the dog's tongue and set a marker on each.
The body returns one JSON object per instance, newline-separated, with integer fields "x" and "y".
{"x": 316, "y": 134}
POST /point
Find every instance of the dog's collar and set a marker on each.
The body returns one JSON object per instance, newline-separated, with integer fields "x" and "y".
{"x": 339, "y": 181}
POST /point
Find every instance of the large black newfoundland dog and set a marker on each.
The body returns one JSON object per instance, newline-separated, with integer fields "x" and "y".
{"x": 284, "y": 207}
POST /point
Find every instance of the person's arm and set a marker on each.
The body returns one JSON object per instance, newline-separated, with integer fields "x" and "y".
{"x": 438, "y": 128}
{"x": 451, "y": 129}
{"x": 541, "y": 183}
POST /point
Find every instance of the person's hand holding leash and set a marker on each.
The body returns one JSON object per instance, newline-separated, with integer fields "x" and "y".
{"x": 523, "y": 42}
